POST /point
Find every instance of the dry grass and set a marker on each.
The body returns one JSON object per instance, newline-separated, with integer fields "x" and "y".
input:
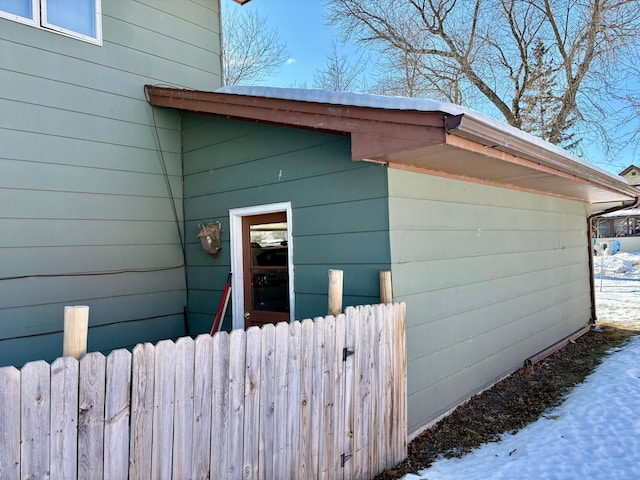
{"x": 510, "y": 404}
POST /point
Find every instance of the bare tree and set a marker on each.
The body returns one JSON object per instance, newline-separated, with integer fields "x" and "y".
{"x": 251, "y": 50}
{"x": 486, "y": 47}
{"x": 627, "y": 93}
{"x": 540, "y": 103}
{"x": 340, "y": 74}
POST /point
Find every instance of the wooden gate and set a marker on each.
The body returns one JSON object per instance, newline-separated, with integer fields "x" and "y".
{"x": 313, "y": 399}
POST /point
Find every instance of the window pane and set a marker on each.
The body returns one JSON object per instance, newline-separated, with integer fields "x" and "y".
{"x": 603, "y": 228}
{"x": 620, "y": 226}
{"x": 269, "y": 244}
{"x": 22, "y": 8}
{"x": 76, "y": 15}
{"x": 270, "y": 284}
{"x": 270, "y": 290}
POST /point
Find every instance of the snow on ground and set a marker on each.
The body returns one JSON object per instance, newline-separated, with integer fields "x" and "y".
{"x": 595, "y": 433}
{"x": 617, "y": 285}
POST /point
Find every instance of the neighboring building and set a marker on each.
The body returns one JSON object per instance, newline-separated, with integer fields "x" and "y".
{"x": 483, "y": 227}
{"x": 632, "y": 174}
{"x": 86, "y": 212}
{"x": 622, "y": 226}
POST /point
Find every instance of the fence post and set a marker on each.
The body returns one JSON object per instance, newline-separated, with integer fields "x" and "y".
{"x": 76, "y": 324}
{"x": 335, "y": 292}
{"x": 386, "y": 290}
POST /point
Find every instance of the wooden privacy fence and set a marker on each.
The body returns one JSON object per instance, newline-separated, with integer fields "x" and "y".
{"x": 319, "y": 399}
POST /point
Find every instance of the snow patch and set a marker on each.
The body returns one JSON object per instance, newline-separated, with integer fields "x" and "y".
{"x": 595, "y": 433}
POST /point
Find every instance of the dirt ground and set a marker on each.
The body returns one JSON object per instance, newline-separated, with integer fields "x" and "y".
{"x": 510, "y": 404}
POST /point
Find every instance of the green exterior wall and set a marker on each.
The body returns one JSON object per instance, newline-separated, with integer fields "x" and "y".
{"x": 490, "y": 276}
{"x": 339, "y": 209}
{"x": 82, "y": 187}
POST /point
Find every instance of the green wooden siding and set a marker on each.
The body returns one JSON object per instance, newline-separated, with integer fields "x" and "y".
{"x": 82, "y": 188}
{"x": 491, "y": 276}
{"x": 340, "y": 212}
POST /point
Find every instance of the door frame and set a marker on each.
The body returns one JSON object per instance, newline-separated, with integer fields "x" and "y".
{"x": 237, "y": 277}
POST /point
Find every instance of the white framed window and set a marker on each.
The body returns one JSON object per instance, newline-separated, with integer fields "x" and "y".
{"x": 23, "y": 11}
{"x": 75, "y": 18}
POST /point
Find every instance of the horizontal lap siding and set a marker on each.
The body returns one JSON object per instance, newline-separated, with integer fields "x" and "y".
{"x": 82, "y": 187}
{"x": 491, "y": 276}
{"x": 339, "y": 208}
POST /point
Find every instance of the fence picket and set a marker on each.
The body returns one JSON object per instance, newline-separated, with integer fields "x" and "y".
{"x": 383, "y": 389}
{"x": 117, "y": 412}
{"x": 142, "y": 387}
{"x": 390, "y": 386}
{"x": 202, "y": 398}
{"x": 306, "y": 385}
{"x": 35, "y": 386}
{"x": 376, "y": 392}
{"x": 339, "y": 417}
{"x": 91, "y": 417}
{"x": 267, "y": 403}
{"x": 237, "y": 364}
{"x": 319, "y": 399}
{"x": 252, "y": 404}
{"x": 349, "y": 393}
{"x": 368, "y": 412}
{"x": 401, "y": 381}
{"x": 329, "y": 361}
{"x": 10, "y": 423}
{"x": 280, "y": 412}
{"x": 220, "y": 427}
{"x": 359, "y": 393}
{"x": 293, "y": 399}
{"x": 64, "y": 418}
{"x": 183, "y": 408}
{"x": 163, "y": 398}
{"x": 380, "y": 388}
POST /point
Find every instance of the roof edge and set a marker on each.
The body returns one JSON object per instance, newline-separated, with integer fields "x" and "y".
{"x": 541, "y": 152}
{"x": 628, "y": 169}
{"x": 380, "y": 127}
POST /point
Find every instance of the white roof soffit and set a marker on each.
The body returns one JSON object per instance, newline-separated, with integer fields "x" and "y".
{"x": 535, "y": 149}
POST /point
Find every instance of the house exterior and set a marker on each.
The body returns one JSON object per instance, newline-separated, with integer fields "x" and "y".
{"x": 105, "y": 186}
{"x": 484, "y": 228}
{"x": 632, "y": 175}
{"x": 88, "y": 201}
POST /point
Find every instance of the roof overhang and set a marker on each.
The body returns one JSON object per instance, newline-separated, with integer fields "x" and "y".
{"x": 628, "y": 169}
{"x": 434, "y": 142}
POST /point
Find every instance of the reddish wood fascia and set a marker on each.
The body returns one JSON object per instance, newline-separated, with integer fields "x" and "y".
{"x": 374, "y": 132}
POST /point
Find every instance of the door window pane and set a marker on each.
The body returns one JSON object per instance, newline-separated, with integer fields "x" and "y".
{"x": 75, "y": 15}
{"x": 269, "y": 234}
{"x": 270, "y": 285}
{"x": 270, "y": 290}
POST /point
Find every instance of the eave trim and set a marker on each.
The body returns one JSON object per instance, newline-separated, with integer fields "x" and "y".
{"x": 374, "y": 132}
{"x": 471, "y": 129}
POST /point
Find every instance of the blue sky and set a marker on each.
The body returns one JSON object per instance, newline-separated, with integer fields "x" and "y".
{"x": 302, "y": 25}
